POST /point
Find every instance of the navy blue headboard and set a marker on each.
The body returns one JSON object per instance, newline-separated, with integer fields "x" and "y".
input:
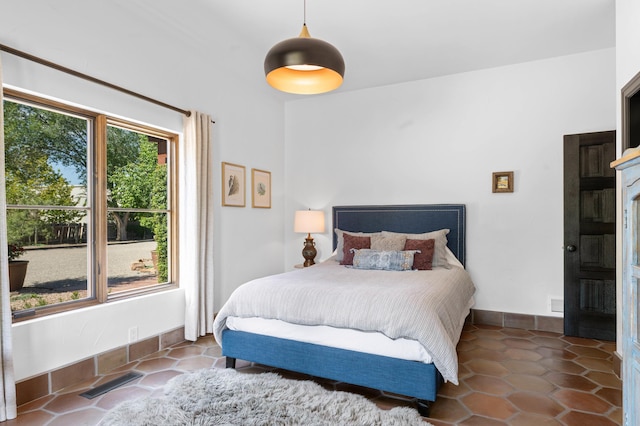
{"x": 413, "y": 219}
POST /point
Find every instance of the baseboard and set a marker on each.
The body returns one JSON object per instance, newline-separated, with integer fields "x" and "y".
{"x": 616, "y": 362}
{"x": 52, "y": 381}
{"x": 511, "y": 320}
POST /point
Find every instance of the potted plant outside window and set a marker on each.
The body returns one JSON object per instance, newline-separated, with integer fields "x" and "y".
{"x": 17, "y": 268}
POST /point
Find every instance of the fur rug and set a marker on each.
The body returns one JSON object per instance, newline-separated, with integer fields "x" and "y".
{"x": 226, "y": 397}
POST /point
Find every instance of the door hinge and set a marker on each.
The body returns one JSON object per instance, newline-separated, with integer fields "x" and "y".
{"x": 625, "y": 219}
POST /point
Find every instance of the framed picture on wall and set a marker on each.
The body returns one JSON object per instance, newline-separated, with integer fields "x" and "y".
{"x": 260, "y": 189}
{"x": 233, "y": 185}
{"x": 502, "y": 182}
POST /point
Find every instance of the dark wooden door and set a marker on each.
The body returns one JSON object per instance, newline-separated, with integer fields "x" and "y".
{"x": 590, "y": 236}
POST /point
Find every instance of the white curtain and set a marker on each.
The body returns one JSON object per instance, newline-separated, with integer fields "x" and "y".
{"x": 196, "y": 224}
{"x": 8, "y": 409}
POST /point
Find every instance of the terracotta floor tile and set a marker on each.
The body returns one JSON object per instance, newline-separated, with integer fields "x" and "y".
{"x": 609, "y": 347}
{"x": 589, "y": 352}
{"x": 33, "y": 405}
{"x": 547, "y": 334}
{"x": 581, "y": 341}
{"x": 67, "y": 402}
{"x": 196, "y": 363}
{"x": 536, "y": 403}
{"x": 576, "y": 418}
{"x": 583, "y": 401}
{"x": 530, "y": 383}
{"x": 438, "y": 422}
{"x": 39, "y": 417}
{"x": 159, "y": 354}
{"x": 550, "y": 342}
{"x": 513, "y": 342}
{"x": 89, "y": 416}
{"x": 517, "y": 332}
{"x": 594, "y": 364}
{"x": 556, "y": 353}
{"x": 207, "y": 341}
{"x": 524, "y": 367}
{"x": 491, "y": 344}
{"x": 466, "y": 345}
{"x": 467, "y": 336}
{"x": 481, "y": 421}
{"x": 453, "y": 391}
{"x": 481, "y": 327}
{"x": 562, "y": 365}
{"x": 522, "y": 354}
{"x": 160, "y": 378}
{"x": 528, "y": 419}
{"x": 607, "y": 379}
{"x": 616, "y": 415}
{"x": 157, "y": 364}
{"x": 387, "y": 404}
{"x": 490, "y": 368}
{"x": 507, "y": 377}
{"x": 116, "y": 396}
{"x": 571, "y": 381}
{"x": 480, "y": 353}
{"x": 489, "y": 406}
{"x": 449, "y": 410}
{"x": 186, "y": 352}
{"x": 488, "y": 384}
{"x": 213, "y": 351}
{"x": 490, "y": 334}
{"x": 613, "y": 396}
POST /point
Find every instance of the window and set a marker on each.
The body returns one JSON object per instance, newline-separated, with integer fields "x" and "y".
{"x": 90, "y": 206}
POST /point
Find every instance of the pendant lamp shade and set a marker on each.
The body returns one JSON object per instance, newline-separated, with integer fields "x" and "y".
{"x": 304, "y": 65}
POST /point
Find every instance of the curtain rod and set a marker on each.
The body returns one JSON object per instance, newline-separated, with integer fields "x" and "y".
{"x": 90, "y": 78}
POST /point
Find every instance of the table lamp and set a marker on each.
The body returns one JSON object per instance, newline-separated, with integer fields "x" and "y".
{"x": 308, "y": 221}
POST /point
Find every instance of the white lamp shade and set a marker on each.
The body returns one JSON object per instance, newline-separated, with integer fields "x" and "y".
{"x": 308, "y": 221}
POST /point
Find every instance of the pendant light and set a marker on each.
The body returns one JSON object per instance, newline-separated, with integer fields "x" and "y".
{"x": 304, "y": 65}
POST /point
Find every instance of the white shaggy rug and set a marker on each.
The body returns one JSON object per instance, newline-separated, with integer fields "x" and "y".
{"x": 226, "y": 397}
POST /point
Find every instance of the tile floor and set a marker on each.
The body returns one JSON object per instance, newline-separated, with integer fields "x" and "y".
{"x": 507, "y": 377}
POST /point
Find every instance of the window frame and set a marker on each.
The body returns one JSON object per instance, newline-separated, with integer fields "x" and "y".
{"x": 97, "y": 238}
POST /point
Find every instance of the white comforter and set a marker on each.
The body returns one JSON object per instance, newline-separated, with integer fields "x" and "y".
{"x": 428, "y": 306}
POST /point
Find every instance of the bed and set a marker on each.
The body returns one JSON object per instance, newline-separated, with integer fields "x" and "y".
{"x": 259, "y": 322}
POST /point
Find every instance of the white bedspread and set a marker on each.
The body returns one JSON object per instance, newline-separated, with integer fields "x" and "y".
{"x": 370, "y": 342}
{"x": 427, "y": 306}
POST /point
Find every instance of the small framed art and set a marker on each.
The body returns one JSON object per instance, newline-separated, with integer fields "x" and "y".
{"x": 233, "y": 185}
{"x": 260, "y": 189}
{"x": 502, "y": 182}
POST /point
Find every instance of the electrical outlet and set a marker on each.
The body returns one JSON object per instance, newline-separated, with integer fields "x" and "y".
{"x": 133, "y": 334}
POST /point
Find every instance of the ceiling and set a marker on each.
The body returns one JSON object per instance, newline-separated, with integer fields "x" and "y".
{"x": 382, "y": 41}
{"x": 391, "y": 41}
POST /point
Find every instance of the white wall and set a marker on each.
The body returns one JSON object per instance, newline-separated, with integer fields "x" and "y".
{"x": 174, "y": 67}
{"x": 438, "y": 141}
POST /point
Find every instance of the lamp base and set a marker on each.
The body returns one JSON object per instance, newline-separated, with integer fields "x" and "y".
{"x": 309, "y": 251}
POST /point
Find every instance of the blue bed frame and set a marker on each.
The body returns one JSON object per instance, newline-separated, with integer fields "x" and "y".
{"x": 410, "y": 378}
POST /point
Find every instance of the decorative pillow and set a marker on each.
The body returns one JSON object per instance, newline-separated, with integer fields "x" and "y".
{"x": 388, "y": 242}
{"x": 440, "y": 248}
{"x": 423, "y": 258}
{"x": 340, "y": 246}
{"x": 384, "y": 260}
{"x": 353, "y": 242}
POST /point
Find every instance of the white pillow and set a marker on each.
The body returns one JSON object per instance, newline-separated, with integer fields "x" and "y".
{"x": 440, "y": 246}
{"x": 340, "y": 247}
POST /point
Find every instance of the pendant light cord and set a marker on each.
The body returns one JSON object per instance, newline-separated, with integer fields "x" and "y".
{"x": 304, "y": 18}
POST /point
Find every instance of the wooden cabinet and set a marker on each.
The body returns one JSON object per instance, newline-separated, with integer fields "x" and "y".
{"x": 629, "y": 166}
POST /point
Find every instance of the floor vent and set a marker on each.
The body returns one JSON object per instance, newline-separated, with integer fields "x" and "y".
{"x": 111, "y": 385}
